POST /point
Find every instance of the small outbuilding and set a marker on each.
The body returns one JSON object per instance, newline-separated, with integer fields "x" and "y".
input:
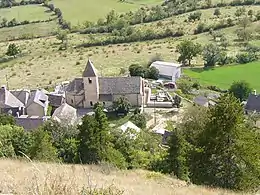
{"x": 168, "y": 70}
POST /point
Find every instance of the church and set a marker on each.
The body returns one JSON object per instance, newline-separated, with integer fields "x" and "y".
{"x": 84, "y": 92}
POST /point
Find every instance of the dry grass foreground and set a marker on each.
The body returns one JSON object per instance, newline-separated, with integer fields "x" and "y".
{"x": 20, "y": 177}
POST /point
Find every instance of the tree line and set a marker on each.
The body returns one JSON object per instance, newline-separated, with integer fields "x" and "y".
{"x": 214, "y": 146}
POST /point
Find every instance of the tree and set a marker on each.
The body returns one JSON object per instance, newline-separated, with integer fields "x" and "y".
{"x": 13, "y": 50}
{"x": 139, "y": 120}
{"x": 178, "y": 155}
{"x": 229, "y": 152}
{"x": 152, "y": 73}
{"x": 188, "y": 50}
{"x": 94, "y": 138}
{"x": 137, "y": 70}
{"x": 211, "y": 53}
{"x": 62, "y": 35}
{"x": 111, "y": 17}
{"x": 64, "y": 139}
{"x": 7, "y": 119}
{"x": 241, "y": 90}
{"x": 122, "y": 105}
{"x": 13, "y": 141}
{"x": 42, "y": 148}
{"x": 217, "y": 12}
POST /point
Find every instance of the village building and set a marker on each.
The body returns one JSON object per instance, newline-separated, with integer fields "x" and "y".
{"x": 37, "y": 104}
{"x": 168, "y": 70}
{"x": 9, "y": 104}
{"x": 65, "y": 114}
{"x": 84, "y": 92}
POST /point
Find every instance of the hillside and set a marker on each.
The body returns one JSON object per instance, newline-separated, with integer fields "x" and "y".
{"x": 20, "y": 177}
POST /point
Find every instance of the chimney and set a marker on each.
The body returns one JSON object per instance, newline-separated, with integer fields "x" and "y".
{"x": 3, "y": 87}
{"x": 254, "y": 92}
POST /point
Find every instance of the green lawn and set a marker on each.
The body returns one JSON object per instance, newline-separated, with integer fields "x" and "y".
{"x": 78, "y": 11}
{"x": 223, "y": 77}
{"x": 26, "y": 12}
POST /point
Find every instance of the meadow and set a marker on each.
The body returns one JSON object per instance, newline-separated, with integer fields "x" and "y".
{"x": 223, "y": 77}
{"x": 26, "y": 12}
{"x": 79, "y": 11}
{"x": 25, "y": 178}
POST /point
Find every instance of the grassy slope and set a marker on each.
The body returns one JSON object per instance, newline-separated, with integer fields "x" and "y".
{"x": 78, "y": 11}
{"x": 224, "y": 76}
{"x": 27, "y": 12}
{"x": 39, "y": 178}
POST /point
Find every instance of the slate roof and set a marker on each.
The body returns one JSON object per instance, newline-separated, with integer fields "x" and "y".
{"x": 109, "y": 85}
{"x": 90, "y": 70}
{"x": 65, "y": 112}
{"x": 56, "y": 100}
{"x": 119, "y": 85}
{"x": 8, "y": 100}
{"x": 30, "y": 123}
{"x": 76, "y": 86}
{"x": 22, "y": 95}
{"x": 253, "y": 103}
{"x": 39, "y": 97}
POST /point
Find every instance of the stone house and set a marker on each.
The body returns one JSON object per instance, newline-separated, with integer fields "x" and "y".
{"x": 9, "y": 104}
{"x": 86, "y": 91}
{"x": 37, "y": 104}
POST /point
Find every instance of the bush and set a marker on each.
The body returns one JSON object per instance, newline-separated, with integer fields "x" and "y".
{"x": 139, "y": 120}
{"x": 247, "y": 57}
{"x": 195, "y": 16}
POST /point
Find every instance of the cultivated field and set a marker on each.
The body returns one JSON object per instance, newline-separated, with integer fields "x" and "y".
{"x": 79, "y": 11}
{"x": 28, "y": 178}
{"x": 223, "y": 77}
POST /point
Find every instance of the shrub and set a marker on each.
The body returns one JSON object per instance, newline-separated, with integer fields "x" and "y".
{"x": 195, "y": 16}
{"x": 139, "y": 120}
{"x": 244, "y": 58}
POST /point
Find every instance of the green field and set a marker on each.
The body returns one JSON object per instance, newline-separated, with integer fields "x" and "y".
{"x": 223, "y": 77}
{"x": 29, "y": 30}
{"x": 78, "y": 11}
{"x": 26, "y": 12}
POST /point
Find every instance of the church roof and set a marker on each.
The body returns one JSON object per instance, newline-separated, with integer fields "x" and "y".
{"x": 90, "y": 70}
{"x": 109, "y": 85}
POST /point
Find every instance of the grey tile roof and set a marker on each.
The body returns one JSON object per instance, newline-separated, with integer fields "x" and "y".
{"x": 109, "y": 85}
{"x": 38, "y": 97}
{"x": 253, "y": 103}
{"x": 119, "y": 85}
{"x": 76, "y": 86}
{"x": 30, "y": 123}
{"x": 65, "y": 112}
{"x": 22, "y": 95}
{"x": 8, "y": 100}
{"x": 90, "y": 70}
{"x": 56, "y": 100}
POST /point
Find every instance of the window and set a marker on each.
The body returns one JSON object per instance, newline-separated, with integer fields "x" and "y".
{"x": 72, "y": 101}
{"x": 104, "y": 103}
{"x": 91, "y": 103}
{"x": 89, "y": 80}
